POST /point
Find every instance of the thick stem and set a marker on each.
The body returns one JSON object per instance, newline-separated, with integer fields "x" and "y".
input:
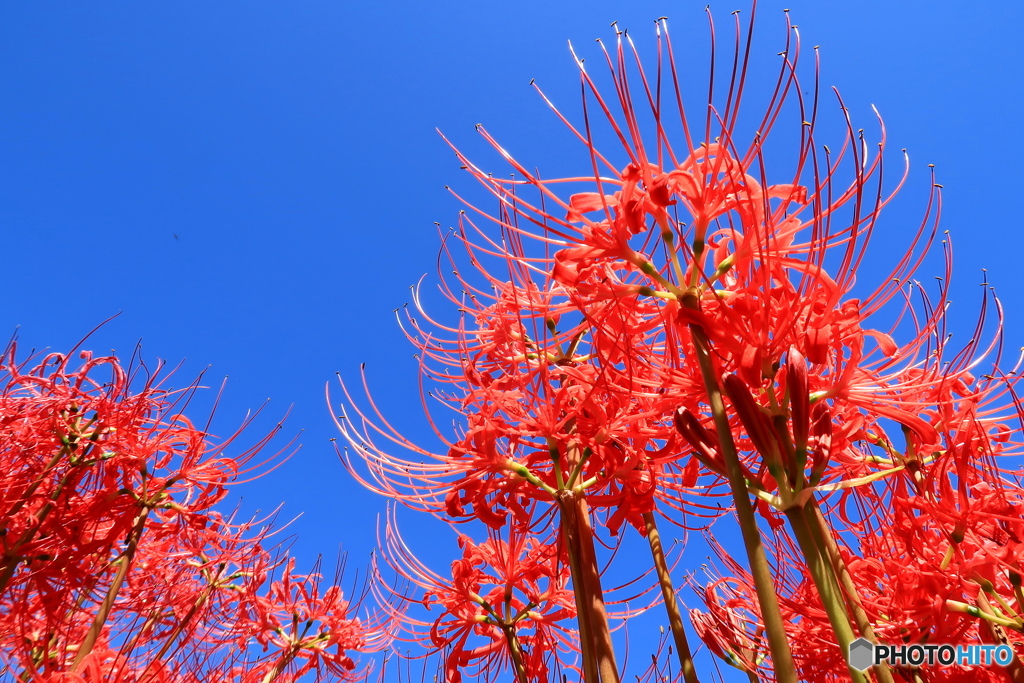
{"x": 282, "y": 663}
{"x": 579, "y": 537}
{"x": 108, "y": 601}
{"x": 771, "y": 614}
{"x": 995, "y": 634}
{"x": 828, "y": 588}
{"x": 583, "y": 616}
{"x": 515, "y": 651}
{"x": 179, "y": 628}
{"x": 668, "y": 594}
{"x": 823, "y": 536}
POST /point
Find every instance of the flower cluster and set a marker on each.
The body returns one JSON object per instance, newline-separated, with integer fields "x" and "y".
{"x": 510, "y": 596}
{"x": 116, "y": 567}
{"x": 684, "y": 335}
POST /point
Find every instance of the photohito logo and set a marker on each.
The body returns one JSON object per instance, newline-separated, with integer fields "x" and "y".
{"x": 864, "y": 655}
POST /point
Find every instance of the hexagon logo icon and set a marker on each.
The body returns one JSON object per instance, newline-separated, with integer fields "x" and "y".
{"x": 862, "y": 654}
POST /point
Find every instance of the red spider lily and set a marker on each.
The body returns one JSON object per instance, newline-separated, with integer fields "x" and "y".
{"x": 312, "y": 627}
{"x": 936, "y": 599}
{"x": 540, "y": 417}
{"x": 570, "y": 371}
{"x": 685, "y": 297}
{"x": 944, "y": 527}
{"x": 115, "y": 567}
{"x": 505, "y": 606}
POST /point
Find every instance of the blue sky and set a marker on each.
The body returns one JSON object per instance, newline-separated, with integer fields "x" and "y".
{"x": 252, "y": 186}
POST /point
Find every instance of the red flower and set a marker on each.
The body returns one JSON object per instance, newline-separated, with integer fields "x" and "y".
{"x": 684, "y": 297}
{"x": 114, "y": 565}
{"x": 506, "y": 605}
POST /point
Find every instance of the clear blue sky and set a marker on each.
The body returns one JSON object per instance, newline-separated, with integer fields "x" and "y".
{"x": 253, "y": 185}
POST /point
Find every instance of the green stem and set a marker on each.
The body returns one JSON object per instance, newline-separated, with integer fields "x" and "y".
{"x": 771, "y": 614}
{"x": 828, "y": 589}
{"x": 179, "y": 628}
{"x": 282, "y": 663}
{"x": 987, "y": 615}
{"x": 125, "y": 563}
{"x": 668, "y": 594}
{"x": 822, "y": 534}
{"x": 1014, "y": 671}
{"x": 515, "y": 651}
